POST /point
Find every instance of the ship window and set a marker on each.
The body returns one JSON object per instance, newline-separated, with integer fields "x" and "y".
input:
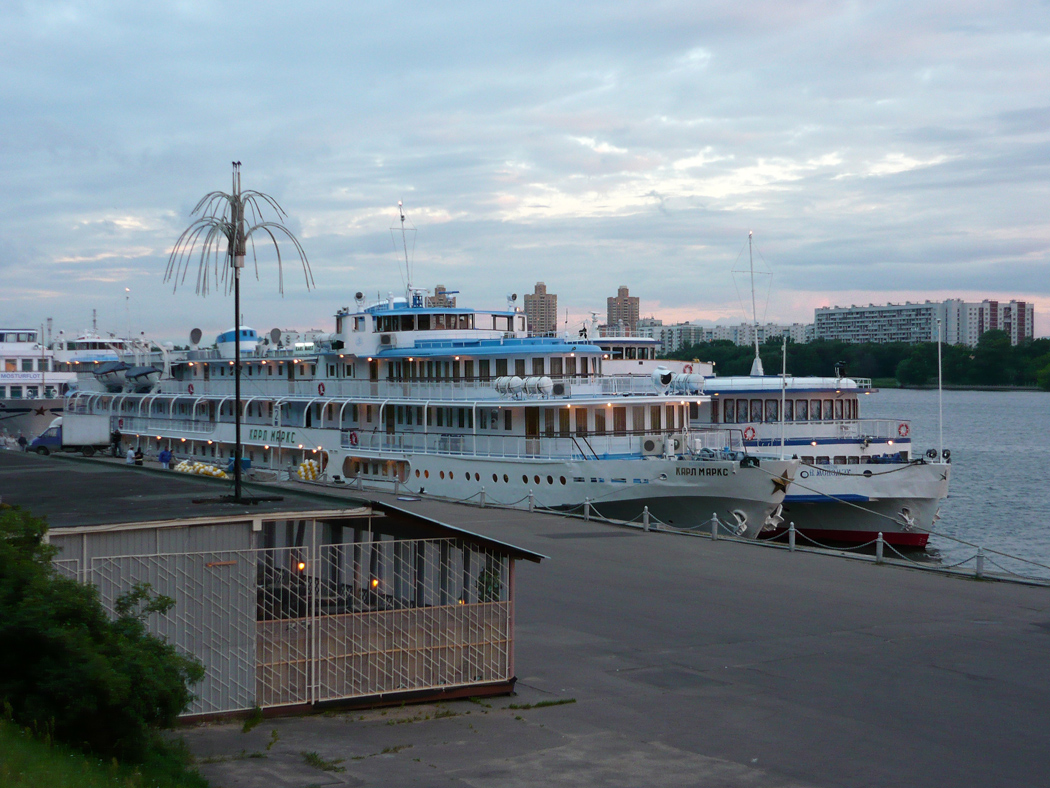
{"x": 16, "y": 392}
{"x": 423, "y": 322}
{"x": 803, "y": 410}
{"x": 827, "y": 410}
{"x": 441, "y": 417}
{"x": 789, "y": 414}
{"x": 570, "y": 366}
{"x": 537, "y": 366}
{"x": 808, "y": 460}
{"x": 729, "y": 409}
{"x": 406, "y": 323}
{"x": 823, "y": 460}
{"x": 840, "y": 460}
{"x": 27, "y": 365}
{"x": 555, "y": 363}
{"x": 741, "y": 411}
{"x": 756, "y": 410}
{"x": 772, "y": 409}
{"x": 617, "y": 353}
{"x": 519, "y": 367}
{"x": 548, "y": 422}
{"x": 853, "y": 460}
{"x": 814, "y": 409}
{"x": 501, "y": 367}
{"x": 620, "y": 420}
{"x": 508, "y": 420}
{"x": 599, "y": 421}
{"x": 484, "y": 371}
{"x": 563, "y": 422}
{"x": 466, "y": 321}
{"x": 670, "y": 417}
{"x": 838, "y": 409}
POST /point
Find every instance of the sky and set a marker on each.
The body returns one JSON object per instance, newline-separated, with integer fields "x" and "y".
{"x": 879, "y": 152}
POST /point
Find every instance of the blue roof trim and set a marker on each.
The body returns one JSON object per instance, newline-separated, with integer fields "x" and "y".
{"x": 404, "y": 309}
{"x": 228, "y": 336}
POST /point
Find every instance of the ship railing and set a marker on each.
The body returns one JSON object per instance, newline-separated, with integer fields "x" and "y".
{"x": 447, "y": 390}
{"x": 148, "y": 426}
{"x": 561, "y": 447}
{"x": 849, "y": 429}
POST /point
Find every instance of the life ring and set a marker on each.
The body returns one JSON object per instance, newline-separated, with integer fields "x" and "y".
{"x": 353, "y": 438}
{"x": 320, "y": 389}
{"x": 903, "y": 430}
{"x": 189, "y": 388}
{"x": 687, "y": 369}
{"x": 749, "y": 433}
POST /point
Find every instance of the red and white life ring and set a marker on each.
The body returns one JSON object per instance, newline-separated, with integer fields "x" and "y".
{"x": 189, "y": 388}
{"x": 688, "y": 369}
{"x": 903, "y": 430}
{"x": 353, "y": 438}
{"x": 320, "y": 389}
{"x": 749, "y": 433}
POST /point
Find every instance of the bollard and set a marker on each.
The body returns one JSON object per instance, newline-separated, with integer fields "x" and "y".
{"x": 586, "y": 508}
{"x": 532, "y": 501}
{"x": 791, "y": 537}
{"x": 397, "y": 486}
{"x": 482, "y": 496}
{"x": 645, "y": 518}
{"x": 878, "y": 548}
{"x": 978, "y": 570}
{"x": 714, "y": 526}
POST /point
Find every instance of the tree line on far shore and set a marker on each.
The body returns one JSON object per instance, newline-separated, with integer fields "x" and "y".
{"x": 994, "y": 362}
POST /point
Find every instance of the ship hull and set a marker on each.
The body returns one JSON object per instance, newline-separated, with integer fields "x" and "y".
{"x": 28, "y": 417}
{"x": 842, "y": 504}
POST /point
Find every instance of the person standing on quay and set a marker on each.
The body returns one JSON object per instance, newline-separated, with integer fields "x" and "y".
{"x": 164, "y": 458}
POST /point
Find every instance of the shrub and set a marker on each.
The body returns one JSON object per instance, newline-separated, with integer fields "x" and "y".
{"x": 103, "y": 684}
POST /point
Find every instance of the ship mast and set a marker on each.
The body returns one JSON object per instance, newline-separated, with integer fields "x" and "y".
{"x": 404, "y": 246}
{"x": 756, "y": 365}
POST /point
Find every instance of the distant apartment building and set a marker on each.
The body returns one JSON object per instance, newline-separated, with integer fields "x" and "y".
{"x": 622, "y": 310}
{"x": 541, "y": 310}
{"x": 441, "y": 298}
{"x": 963, "y": 322}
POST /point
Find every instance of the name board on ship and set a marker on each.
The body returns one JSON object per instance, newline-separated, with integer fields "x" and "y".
{"x": 272, "y": 436}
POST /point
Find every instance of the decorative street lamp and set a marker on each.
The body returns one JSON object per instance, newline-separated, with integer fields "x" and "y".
{"x": 222, "y": 221}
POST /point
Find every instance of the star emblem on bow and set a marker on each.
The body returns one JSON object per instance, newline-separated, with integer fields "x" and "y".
{"x": 780, "y": 483}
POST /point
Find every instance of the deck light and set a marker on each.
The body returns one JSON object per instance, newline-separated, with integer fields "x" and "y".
{"x": 209, "y": 442}
{"x": 890, "y": 442}
{"x": 231, "y": 363}
{"x": 266, "y": 447}
{"x": 375, "y": 582}
{"x": 457, "y": 358}
{"x": 184, "y": 440}
{"x": 812, "y": 443}
{"x": 300, "y": 445}
{"x": 302, "y": 566}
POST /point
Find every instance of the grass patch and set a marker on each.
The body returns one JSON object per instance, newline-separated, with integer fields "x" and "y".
{"x": 253, "y": 719}
{"x": 541, "y": 704}
{"x": 27, "y": 762}
{"x": 315, "y": 760}
{"x": 480, "y": 702}
{"x": 394, "y": 750}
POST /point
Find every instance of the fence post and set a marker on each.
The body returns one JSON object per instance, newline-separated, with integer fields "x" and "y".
{"x": 714, "y": 526}
{"x": 978, "y": 570}
{"x": 482, "y": 496}
{"x": 645, "y": 518}
{"x": 878, "y": 548}
{"x": 586, "y": 508}
{"x": 791, "y": 537}
{"x": 397, "y": 485}
{"x": 532, "y": 501}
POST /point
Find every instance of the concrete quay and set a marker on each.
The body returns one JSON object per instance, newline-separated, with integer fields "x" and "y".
{"x": 688, "y": 662}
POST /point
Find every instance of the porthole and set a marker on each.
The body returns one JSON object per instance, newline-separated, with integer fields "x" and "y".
{"x": 563, "y": 480}
{"x": 417, "y": 473}
{"x": 442, "y": 474}
{"x": 495, "y": 478}
{"x": 477, "y": 477}
{"x": 550, "y": 480}
{"x": 536, "y": 479}
{"x": 506, "y": 479}
{"x": 426, "y": 474}
{"x": 450, "y": 476}
{"x": 524, "y": 478}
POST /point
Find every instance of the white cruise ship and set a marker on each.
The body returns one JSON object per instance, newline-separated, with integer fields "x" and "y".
{"x": 31, "y": 388}
{"x": 858, "y": 477}
{"x": 458, "y": 403}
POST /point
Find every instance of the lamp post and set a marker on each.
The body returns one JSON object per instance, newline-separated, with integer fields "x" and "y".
{"x": 222, "y": 219}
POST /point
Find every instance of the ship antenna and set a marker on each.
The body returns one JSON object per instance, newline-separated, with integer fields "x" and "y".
{"x": 756, "y": 366}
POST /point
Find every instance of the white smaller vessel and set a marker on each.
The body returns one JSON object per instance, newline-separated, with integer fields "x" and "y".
{"x": 31, "y": 389}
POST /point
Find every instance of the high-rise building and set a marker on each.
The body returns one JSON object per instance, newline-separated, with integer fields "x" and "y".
{"x": 963, "y": 322}
{"x": 541, "y": 310}
{"x": 441, "y": 298}
{"x": 623, "y": 309}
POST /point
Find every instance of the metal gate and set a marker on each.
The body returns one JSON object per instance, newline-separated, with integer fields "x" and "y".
{"x": 295, "y": 625}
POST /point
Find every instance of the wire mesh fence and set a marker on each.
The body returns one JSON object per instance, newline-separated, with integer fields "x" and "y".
{"x": 303, "y": 625}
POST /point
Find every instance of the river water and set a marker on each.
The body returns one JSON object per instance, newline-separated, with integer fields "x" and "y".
{"x": 999, "y": 493}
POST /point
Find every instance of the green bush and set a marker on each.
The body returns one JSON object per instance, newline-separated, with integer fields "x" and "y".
{"x": 101, "y": 684}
